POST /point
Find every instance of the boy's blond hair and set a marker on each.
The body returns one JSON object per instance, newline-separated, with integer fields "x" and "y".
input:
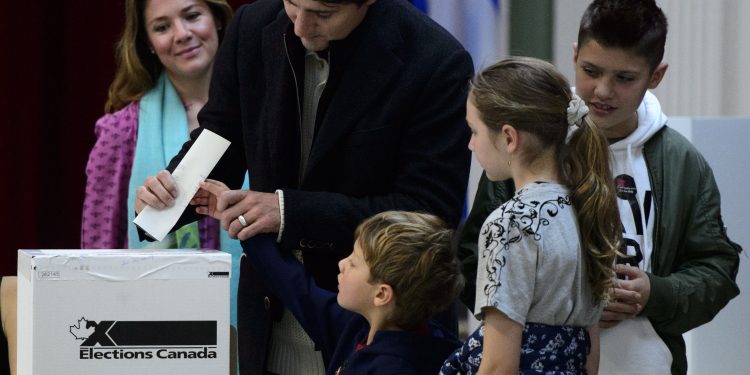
{"x": 412, "y": 252}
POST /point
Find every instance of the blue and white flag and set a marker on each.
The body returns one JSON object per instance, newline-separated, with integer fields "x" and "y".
{"x": 475, "y": 23}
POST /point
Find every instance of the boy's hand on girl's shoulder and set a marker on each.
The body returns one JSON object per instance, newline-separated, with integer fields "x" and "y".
{"x": 628, "y": 297}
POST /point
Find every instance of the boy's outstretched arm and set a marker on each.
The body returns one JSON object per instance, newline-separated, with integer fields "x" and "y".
{"x": 314, "y": 308}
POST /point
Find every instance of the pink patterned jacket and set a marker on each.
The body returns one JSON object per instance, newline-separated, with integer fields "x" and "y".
{"x": 105, "y": 221}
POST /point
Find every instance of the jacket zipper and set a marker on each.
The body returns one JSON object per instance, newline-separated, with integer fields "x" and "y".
{"x": 656, "y": 211}
{"x": 296, "y": 95}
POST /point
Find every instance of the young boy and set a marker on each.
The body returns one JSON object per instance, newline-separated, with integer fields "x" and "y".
{"x": 680, "y": 267}
{"x": 401, "y": 272}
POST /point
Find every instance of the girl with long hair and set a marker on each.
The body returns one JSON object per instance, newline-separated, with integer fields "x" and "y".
{"x": 546, "y": 255}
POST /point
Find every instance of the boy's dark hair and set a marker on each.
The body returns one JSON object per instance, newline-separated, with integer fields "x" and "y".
{"x": 636, "y": 25}
{"x": 412, "y": 252}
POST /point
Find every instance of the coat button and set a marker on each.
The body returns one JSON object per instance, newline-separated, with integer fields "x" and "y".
{"x": 267, "y": 303}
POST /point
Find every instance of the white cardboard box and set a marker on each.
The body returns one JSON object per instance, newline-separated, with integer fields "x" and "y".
{"x": 113, "y": 312}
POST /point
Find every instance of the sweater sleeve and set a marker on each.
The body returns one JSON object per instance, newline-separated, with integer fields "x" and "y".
{"x": 104, "y": 218}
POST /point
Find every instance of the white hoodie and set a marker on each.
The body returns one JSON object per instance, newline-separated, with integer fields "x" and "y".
{"x": 632, "y": 346}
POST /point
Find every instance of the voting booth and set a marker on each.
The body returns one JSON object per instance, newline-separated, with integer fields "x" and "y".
{"x": 123, "y": 312}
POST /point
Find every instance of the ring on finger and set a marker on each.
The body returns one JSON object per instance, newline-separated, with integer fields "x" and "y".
{"x": 242, "y": 220}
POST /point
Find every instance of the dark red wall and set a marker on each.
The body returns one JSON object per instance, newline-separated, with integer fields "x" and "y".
{"x": 56, "y": 63}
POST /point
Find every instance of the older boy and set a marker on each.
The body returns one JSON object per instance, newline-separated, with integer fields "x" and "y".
{"x": 401, "y": 272}
{"x": 680, "y": 267}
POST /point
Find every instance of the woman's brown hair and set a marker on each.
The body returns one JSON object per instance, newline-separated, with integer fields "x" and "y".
{"x": 138, "y": 68}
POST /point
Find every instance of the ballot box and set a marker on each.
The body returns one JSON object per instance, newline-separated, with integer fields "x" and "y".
{"x": 114, "y": 312}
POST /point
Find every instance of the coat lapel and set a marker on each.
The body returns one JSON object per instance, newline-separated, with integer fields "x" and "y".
{"x": 371, "y": 64}
{"x": 279, "y": 122}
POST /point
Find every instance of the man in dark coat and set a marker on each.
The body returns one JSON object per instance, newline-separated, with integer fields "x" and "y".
{"x": 338, "y": 110}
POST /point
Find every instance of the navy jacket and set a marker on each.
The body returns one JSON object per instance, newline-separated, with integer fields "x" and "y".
{"x": 337, "y": 331}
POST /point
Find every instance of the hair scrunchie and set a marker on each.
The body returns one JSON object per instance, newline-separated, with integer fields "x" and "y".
{"x": 577, "y": 109}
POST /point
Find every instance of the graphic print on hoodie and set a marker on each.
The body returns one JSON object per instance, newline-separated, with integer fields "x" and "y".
{"x": 632, "y": 346}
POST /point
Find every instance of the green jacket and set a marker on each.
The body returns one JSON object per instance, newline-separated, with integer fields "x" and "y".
{"x": 694, "y": 264}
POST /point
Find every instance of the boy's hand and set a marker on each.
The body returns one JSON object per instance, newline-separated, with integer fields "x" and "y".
{"x": 628, "y": 297}
{"x": 207, "y": 198}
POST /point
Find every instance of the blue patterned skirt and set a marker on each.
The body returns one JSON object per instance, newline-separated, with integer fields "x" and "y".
{"x": 545, "y": 349}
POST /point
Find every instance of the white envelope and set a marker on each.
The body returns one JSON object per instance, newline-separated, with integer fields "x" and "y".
{"x": 194, "y": 168}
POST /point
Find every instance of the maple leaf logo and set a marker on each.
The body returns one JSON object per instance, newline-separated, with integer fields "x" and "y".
{"x": 83, "y": 329}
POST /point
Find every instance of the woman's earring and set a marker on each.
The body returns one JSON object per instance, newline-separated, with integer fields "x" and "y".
{"x": 152, "y": 51}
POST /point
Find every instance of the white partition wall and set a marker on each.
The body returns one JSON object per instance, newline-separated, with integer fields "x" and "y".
{"x": 722, "y": 346}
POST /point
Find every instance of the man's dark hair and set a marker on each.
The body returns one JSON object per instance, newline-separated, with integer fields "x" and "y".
{"x": 358, "y": 2}
{"x": 636, "y": 25}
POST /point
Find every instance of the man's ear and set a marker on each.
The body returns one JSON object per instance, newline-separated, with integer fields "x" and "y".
{"x": 575, "y": 52}
{"x": 657, "y": 75}
{"x": 384, "y": 295}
